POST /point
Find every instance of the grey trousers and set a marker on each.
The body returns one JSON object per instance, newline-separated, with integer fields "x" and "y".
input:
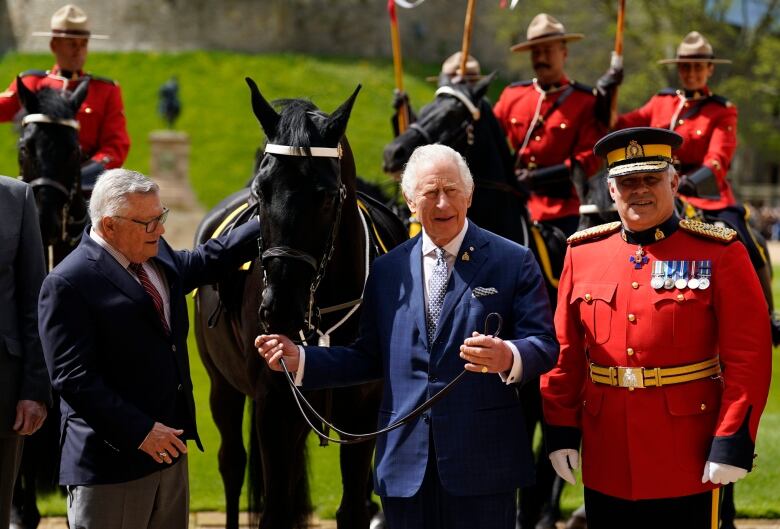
{"x": 10, "y": 457}
{"x": 160, "y": 500}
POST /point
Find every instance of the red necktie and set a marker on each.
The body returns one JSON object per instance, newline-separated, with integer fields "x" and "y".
{"x": 143, "y": 277}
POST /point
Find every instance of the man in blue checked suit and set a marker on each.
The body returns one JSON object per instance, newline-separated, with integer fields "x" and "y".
{"x": 425, "y": 306}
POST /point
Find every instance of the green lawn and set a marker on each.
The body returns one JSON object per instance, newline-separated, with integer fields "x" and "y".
{"x": 224, "y": 135}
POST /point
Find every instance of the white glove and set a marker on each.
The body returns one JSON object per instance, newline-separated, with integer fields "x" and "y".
{"x": 564, "y": 461}
{"x": 721, "y": 473}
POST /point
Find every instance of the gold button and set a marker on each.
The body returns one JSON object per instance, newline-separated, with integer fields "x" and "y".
{"x": 533, "y": 158}
{"x": 588, "y": 297}
{"x": 538, "y": 138}
{"x": 88, "y": 110}
{"x": 698, "y": 133}
{"x": 563, "y": 125}
{"x": 687, "y": 105}
{"x": 631, "y": 317}
{"x": 680, "y": 122}
{"x": 634, "y": 285}
{"x": 631, "y": 388}
{"x": 630, "y": 351}
{"x": 703, "y": 406}
{"x": 513, "y": 121}
{"x": 680, "y": 297}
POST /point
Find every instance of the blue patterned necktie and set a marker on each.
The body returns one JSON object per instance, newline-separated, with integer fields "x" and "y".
{"x": 437, "y": 286}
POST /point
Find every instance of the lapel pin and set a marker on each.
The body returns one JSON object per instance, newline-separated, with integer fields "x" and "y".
{"x": 465, "y": 256}
{"x": 471, "y": 248}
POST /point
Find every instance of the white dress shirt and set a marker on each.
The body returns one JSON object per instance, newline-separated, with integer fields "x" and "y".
{"x": 155, "y": 276}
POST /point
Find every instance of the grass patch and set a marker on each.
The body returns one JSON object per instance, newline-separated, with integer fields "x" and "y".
{"x": 224, "y": 135}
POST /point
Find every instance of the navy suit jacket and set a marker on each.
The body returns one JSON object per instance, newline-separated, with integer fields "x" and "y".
{"x": 478, "y": 428}
{"x": 110, "y": 359}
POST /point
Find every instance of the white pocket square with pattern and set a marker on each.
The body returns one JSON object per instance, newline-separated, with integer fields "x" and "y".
{"x": 481, "y": 292}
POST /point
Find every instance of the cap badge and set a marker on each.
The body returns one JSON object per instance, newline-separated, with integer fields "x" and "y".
{"x": 634, "y": 150}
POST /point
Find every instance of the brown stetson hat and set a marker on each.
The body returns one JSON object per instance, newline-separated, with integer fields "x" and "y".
{"x": 694, "y": 48}
{"x": 545, "y": 28}
{"x": 70, "y": 22}
{"x": 451, "y": 67}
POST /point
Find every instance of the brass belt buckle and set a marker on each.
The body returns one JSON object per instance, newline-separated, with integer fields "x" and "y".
{"x": 630, "y": 377}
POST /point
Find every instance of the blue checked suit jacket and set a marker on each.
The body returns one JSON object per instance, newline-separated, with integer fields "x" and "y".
{"x": 478, "y": 428}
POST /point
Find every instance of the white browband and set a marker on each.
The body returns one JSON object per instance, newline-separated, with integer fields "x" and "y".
{"x": 43, "y": 118}
{"x": 475, "y": 113}
{"x": 320, "y": 152}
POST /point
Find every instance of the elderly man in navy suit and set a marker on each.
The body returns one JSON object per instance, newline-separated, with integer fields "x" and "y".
{"x": 425, "y": 306}
{"x": 113, "y": 324}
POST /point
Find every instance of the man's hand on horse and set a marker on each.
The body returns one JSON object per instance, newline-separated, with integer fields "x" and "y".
{"x": 486, "y": 354}
{"x": 274, "y": 347}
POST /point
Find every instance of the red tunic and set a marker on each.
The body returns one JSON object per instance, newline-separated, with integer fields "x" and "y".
{"x": 708, "y": 125}
{"x": 566, "y": 134}
{"x": 653, "y": 442}
{"x": 103, "y": 134}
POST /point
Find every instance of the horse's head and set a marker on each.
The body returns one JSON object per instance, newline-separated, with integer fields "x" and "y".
{"x": 449, "y": 119}
{"x": 300, "y": 185}
{"x": 49, "y": 153}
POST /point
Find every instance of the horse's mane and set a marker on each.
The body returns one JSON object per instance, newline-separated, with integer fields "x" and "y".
{"x": 53, "y": 104}
{"x": 295, "y": 122}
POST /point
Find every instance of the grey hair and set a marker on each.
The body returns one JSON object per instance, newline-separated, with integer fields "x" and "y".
{"x": 109, "y": 197}
{"x": 428, "y": 155}
{"x": 670, "y": 172}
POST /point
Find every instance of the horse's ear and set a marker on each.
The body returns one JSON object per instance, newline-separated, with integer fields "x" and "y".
{"x": 27, "y": 97}
{"x": 265, "y": 114}
{"x": 481, "y": 86}
{"x": 79, "y": 95}
{"x": 337, "y": 122}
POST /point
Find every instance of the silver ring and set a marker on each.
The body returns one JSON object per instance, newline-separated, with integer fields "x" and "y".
{"x": 162, "y": 454}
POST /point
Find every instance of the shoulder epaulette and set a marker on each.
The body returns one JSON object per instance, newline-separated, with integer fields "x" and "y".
{"x": 522, "y": 83}
{"x": 721, "y": 100}
{"x": 708, "y": 231}
{"x": 583, "y": 87}
{"x": 101, "y": 79}
{"x": 594, "y": 232}
{"x": 668, "y": 92}
{"x": 34, "y": 73}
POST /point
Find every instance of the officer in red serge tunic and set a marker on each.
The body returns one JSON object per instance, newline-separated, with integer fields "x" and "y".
{"x": 551, "y": 123}
{"x": 708, "y": 125}
{"x": 655, "y": 292}
{"x": 103, "y": 133}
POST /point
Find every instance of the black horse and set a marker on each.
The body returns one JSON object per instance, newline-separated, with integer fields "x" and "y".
{"x": 49, "y": 160}
{"x": 315, "y": 252}
{"x": 463, "y": 119}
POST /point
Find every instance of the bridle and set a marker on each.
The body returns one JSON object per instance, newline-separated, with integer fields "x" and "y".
{"x": 313, "y": 313}
{"x": 43, "y": 181}
{"x": 466, "y": 127}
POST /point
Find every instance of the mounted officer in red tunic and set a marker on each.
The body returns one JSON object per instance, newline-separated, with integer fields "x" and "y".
{"x": 103, "y": 128}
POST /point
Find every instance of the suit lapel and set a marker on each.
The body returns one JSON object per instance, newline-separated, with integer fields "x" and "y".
{"x": 418, "y": 290}
{"x": 463, "y": 272}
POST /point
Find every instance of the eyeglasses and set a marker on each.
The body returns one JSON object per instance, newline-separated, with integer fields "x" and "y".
{"x": 149, "y": 225}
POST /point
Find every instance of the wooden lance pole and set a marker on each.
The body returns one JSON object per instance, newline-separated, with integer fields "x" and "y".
{"x": 395, "y": 37}
{"x": 467, "y": 26}
{"x": 617, "y": 59}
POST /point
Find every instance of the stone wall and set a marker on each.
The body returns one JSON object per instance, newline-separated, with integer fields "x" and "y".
{"x": 331, "y": 27}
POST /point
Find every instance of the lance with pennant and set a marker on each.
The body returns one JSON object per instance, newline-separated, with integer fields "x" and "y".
{"x": 617, "y": 59}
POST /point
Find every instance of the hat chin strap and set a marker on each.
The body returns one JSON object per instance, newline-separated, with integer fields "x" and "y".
{"x": 448, "y": 90}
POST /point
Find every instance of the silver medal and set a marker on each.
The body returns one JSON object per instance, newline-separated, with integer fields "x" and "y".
{"x": 657, "y": 282}
{"x": 693, "y": 283}
{"x": 704, "y": 283}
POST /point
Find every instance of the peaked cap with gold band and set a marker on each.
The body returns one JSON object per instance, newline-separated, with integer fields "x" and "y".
{"x": 637, "y": 150}
{"x": 545, "y": 28}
